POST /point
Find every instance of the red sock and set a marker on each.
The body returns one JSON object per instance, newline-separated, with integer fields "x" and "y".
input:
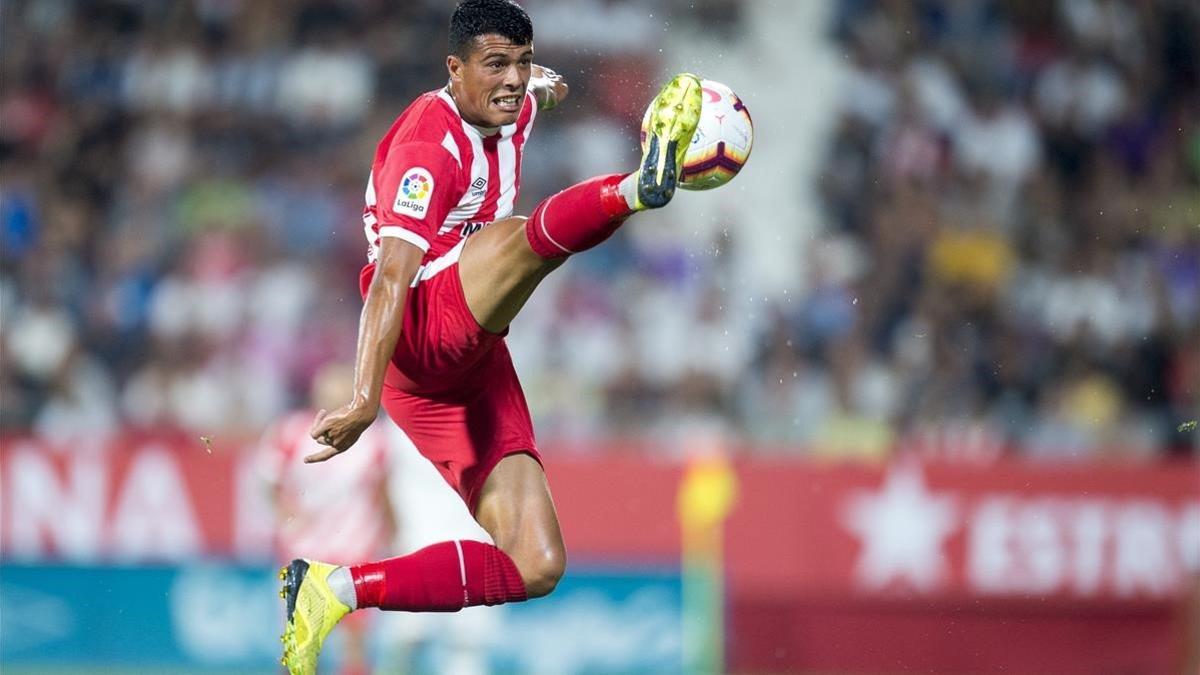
{"x": 443, "y": 577}
{"x": 577, "y": 218}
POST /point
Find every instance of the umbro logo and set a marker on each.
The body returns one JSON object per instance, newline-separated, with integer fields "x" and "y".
{"x": 479, "y": 186}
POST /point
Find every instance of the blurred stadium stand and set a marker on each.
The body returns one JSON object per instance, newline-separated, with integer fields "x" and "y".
{"x": 1006, "y": 255}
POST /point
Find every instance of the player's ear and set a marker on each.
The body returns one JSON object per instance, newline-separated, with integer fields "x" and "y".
{"x": 455, "y": 67}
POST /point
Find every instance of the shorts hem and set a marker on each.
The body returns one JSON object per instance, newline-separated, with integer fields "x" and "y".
{"x": 472, "y": 497}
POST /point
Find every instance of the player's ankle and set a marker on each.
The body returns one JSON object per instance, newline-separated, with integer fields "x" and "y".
{"x": 618, "y": 195}
{"x": 341, "y": 582}
{"x": 627, "y": 189}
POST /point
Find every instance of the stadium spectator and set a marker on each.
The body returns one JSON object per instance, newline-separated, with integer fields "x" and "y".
{"x": 1045, "y": 206}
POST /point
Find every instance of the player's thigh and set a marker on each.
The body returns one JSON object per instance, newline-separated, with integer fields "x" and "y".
{"x": 499, "y": 271}
{"x": 516, "y": 508}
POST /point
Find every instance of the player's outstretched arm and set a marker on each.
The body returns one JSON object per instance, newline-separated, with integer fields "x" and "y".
{"x": 378, "y": 331}
{"x": 548, "y": 87}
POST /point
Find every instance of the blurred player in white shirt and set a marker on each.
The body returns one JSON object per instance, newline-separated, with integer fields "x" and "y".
{"x": 426, "y": 511}
{"x": 341, "y": 511}
{"x": 384, "y": 497}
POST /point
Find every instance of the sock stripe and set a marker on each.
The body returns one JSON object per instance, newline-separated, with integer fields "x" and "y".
{"x": 462, "y": 572}
{"x": 542, "y": 224}
{"x": 424, "y": 581}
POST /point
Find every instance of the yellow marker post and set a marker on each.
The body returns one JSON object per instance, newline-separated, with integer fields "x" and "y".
{"x": 706, "y": 495}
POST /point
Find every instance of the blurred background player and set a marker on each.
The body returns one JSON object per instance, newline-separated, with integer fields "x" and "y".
{"x": 385, "y": 498}
{"x": 344, "y": 512}
{"x": 426, "y": 511}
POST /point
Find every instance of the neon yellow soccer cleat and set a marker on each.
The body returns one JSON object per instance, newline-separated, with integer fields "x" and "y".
{"x": 312, "y": 611}
{"x": 669, "y": 124}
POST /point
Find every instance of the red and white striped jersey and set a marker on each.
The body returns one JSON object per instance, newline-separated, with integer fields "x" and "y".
{"x": 437, "y": 179}
{"x": 335, "y": 511}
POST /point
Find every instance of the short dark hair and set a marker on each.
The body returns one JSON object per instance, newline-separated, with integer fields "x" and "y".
{"x": 473, "y": 18}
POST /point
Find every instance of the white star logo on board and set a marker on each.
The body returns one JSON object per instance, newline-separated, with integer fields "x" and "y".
{"x": 902, "y": 528}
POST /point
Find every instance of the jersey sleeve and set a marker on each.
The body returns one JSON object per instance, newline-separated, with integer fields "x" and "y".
{"x": 415, "y": 187}
{"x": 535, "y": 107}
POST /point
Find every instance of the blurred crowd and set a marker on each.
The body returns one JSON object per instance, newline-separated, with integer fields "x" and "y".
{"x": 1013, "y": 195}
{"x": 1010, "y": 262}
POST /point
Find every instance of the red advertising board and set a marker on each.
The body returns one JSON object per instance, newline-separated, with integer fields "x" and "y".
{"x": 934, "y": 566}
{"x": 946, "y": 531}
{"x": 927, "y": 567}
{"x": 138, "y": 498}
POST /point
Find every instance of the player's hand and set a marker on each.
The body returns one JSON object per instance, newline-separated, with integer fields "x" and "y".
{"x": 339, "y": 430}
{"x": 543, "y": 71}
{"x": 548, "y": 86}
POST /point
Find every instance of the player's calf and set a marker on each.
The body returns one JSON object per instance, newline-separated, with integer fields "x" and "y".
{"x": 578, "y": 218}
{"x": 443, "y": 577}
{"x": 584, "y": 215}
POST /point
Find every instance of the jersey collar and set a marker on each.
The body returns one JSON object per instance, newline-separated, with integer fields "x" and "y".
{"x": 483, "y": 132}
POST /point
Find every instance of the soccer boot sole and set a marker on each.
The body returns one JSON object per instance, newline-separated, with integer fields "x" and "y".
{"x": 674, "y": 115}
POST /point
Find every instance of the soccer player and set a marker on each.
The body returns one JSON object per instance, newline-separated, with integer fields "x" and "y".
{"x": 449, "y": 268}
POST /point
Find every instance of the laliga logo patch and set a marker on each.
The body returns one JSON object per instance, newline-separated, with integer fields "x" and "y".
{"x": 412, "y": 198}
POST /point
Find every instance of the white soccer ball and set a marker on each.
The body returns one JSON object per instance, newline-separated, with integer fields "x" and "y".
{"x": 722, "y": 142}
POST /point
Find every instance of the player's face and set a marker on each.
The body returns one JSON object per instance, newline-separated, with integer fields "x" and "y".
{"x": 489, "y": 86}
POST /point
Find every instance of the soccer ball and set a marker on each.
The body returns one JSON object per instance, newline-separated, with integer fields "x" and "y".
{"x": 722, "y": 142}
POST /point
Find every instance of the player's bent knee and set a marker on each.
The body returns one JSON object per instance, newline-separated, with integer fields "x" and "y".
{"x": 541, "y": 571}
{"x": 507, "y": 243}
{"x": 530, "y": 251}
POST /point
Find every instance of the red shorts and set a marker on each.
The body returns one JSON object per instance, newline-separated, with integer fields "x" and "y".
{"x": 451, "y": 385}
